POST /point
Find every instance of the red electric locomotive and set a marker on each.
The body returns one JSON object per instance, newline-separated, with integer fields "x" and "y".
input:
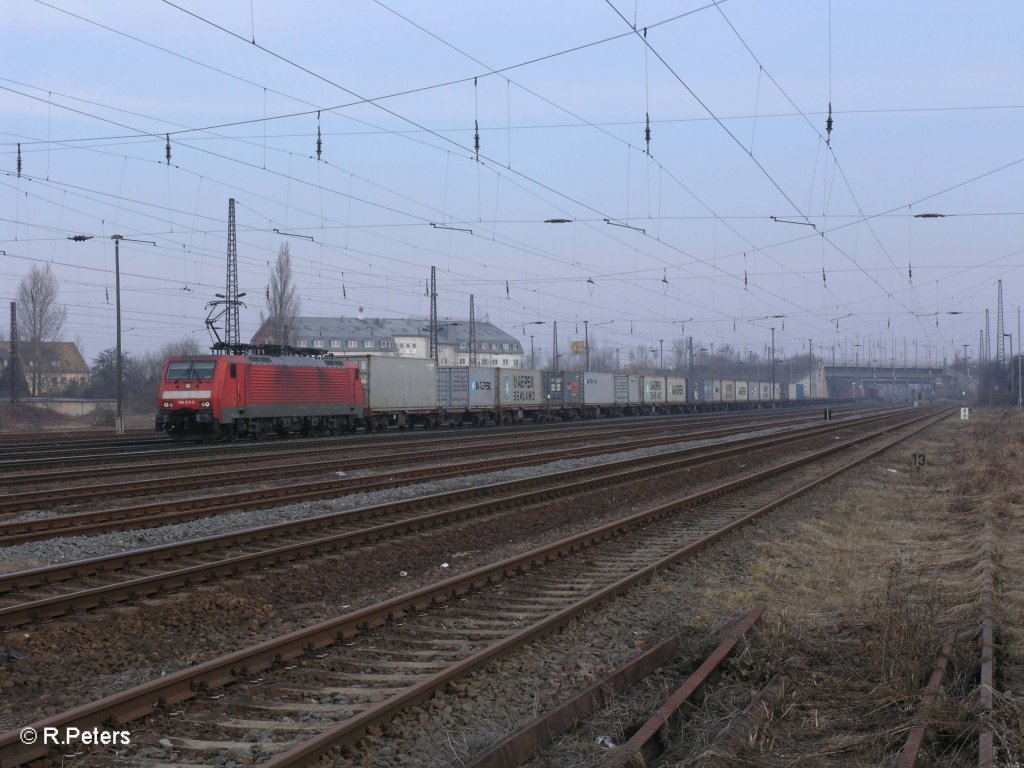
{"x": 228, "y": 396}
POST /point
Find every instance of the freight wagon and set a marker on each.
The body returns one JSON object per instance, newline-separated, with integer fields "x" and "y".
{"x": 225, "y": 396}
{"x": 598, "y": 394}
{"x": 676, "y": 393}
{"x": 467, "y": 394}
{"x": 521, "y": 393}
{"x": 627, "y": 393}
{"x": 400, "y": 392}
{"x": 652, "y": 389}
{"x": 478, "y": 395}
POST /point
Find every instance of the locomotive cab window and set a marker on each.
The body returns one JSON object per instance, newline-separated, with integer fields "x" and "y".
{"x": 185, "y": 369}
{"x": 203, "y": 369}
{"x": 178, "y": 370}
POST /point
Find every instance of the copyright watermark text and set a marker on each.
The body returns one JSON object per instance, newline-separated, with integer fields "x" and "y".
{"x": 64, "y": 737}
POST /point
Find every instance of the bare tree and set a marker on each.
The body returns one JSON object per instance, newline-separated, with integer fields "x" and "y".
{"x": 186, "y": 345}
{"x": 680, "y": 359}
{"x": 602, "y": 358}
{"x": 150, "y": 368}
{"x": 640, "y": 358}
{"x": 40, "y": 318}
{"x": 283, "y": 304}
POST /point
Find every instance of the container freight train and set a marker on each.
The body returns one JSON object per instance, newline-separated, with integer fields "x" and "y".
{"x": 253, "y": 395}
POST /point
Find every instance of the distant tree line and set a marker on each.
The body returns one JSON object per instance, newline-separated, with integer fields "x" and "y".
{"x": 141, "y": 375}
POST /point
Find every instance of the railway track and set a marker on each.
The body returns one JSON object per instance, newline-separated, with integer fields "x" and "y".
{"x": 25, "y": 457}
{"x": 72, "y": 436}
{"x": 195, "y": 473}
{"x": 78, "y": 452}
{"x": 178, "y": 461}
{"x": 311, "y": 692}
{"x": 41, "y": 593}
{"x": 151, "y": 515}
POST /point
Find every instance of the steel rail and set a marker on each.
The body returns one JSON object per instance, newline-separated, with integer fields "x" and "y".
{"x": 622, "y": 756}
{"x": 163, "y": 513}
{"x": 986, "y": 737}
{"x": 163, "y": 446}
{"x": 284, "y": 451}
{"x": 348, "y": 731}
{"x": 142, "y": 700}
{"x": 24, "y": 500}
{"x": 742, "y": 729}
{"x": 60, "y": 456}
{"x": 510, "y": 495}
{"x": 915, "y": 737}
{"x": 521, "y": 746}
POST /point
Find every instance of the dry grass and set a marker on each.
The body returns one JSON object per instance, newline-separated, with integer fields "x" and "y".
{"x": 864, "y": 598}
{"x": 861, "y": 600}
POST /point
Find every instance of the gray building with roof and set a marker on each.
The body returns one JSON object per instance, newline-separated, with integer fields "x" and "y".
{"x": 401, "y": 337}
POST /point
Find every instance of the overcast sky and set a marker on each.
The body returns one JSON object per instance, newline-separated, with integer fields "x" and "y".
{"x": 740, "y": 211}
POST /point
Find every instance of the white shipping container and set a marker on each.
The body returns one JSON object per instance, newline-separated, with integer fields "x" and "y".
{"x": 676, "y": 389}
{"x": 520, "y": 388}
{"x": 753, "y": 390}
{"x": 654, "y": 389}
{"x": 627, "y": 390}
{"x": 716, "y": 390}
{"x": 483, "y": 387}
{"x": 621, "y": 389}
{"x": 598, "y": 389}
{"x": 452, "y": 388}
{"x": 766, "y": 390}
{"x": 398, "y": 384}
{"x": 728, "y": 391}
{"x": 635, "y": 392}
{"x": 741, "y": 392}
{"x": 459, "y": 387}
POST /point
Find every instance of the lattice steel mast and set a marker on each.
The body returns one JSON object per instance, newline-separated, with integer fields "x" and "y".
{"x": 554, "y": 347}
{"x": 1000, "y": 329}
{"x": 433, "y": 314}
{"x": 472, "y": 331}
{"x": 231, "y": 332}
{"x": 988, "y": 340}
{"x": 14, "y": 367}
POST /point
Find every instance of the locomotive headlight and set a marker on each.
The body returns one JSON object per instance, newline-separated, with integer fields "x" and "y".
{"x": 167, "y": 403}
{"x": 205, "y": 403}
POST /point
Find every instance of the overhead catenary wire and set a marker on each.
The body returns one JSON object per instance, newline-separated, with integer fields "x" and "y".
{"x": 710, "y": 112}
{"x": 319, "y": 186}
{"x": 827, "y": 143}
{"x": 569, "y": 112}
